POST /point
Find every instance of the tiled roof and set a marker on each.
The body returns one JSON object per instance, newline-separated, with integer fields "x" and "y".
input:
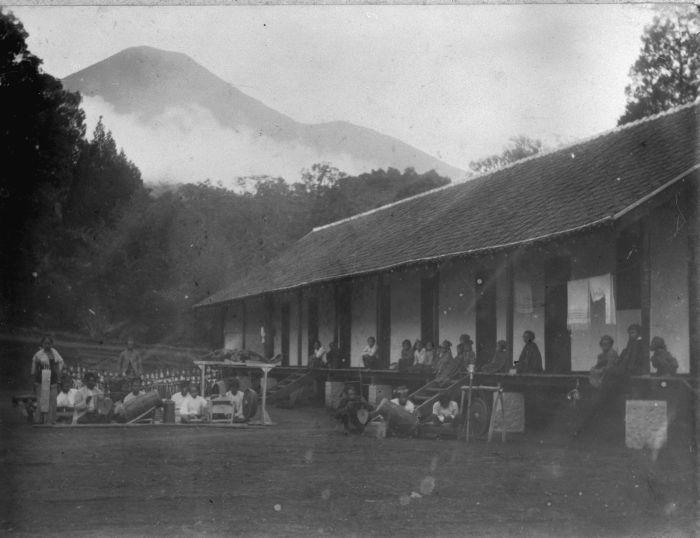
{"x": 576, "y": 187}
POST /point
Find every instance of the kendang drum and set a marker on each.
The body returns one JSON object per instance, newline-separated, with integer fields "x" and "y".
{"x": 397, "y": 418}
{"x": 140, "y": 405}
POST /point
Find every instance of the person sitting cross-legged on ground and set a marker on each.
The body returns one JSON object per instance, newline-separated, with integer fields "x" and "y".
{"x": 530, "y": 361}
{"x": 179, "y": 397}
{"x": 499, "y": 362}
{"x": 445, "y": 410}
{"x": 402, "y": 399}
{"x": 135, "y": 390}
{"x": 193, "y": 407}
{"x": 65, "y": 401}
{"x": 370, "y": 354}
{"x": 87, "y": 402}
{"x": 662, "y": 360}
{"x": 347, "y": 412}
{"x": 235, "y": 396}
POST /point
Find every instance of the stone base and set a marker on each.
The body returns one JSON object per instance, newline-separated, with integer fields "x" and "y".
{"x": 646, "y": 424}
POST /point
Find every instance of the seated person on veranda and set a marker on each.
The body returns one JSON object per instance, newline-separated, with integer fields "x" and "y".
{"x": 607, "y": 365}
{"x": 530, "y": 361}
{"x": 499, "y": 362}
{"x": 135, "y": 390}
{"x": 445, "y": 410}
{"x": 447, "y": 365}
{"x": 179, "y": 397}
{"x": 88, "y": 403}
{"x": 317, "y": 359}
{"x": 193, "y": 407}
{"x": 468, "y": 355}
{"x": 333, "y": 359}
{"x": 370, "y": 354}
{"x": 662, "y": 360}
{"x": 65, "y": 401}
{"x": 406, "y": 359}
{"x": 347, "y": 410}
{"x": 402, "y": 399}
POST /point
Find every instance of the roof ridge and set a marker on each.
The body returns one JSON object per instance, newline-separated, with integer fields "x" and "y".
{"x": 616, "y": 129}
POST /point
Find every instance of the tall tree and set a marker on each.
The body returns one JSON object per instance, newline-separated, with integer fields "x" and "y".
{"x": 667, "y": 72}
{"x": 42, "y": 126}
{"x": 519, "y": 147}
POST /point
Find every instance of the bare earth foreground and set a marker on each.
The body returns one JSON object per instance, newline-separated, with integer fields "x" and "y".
{"x": 303, "y": 477}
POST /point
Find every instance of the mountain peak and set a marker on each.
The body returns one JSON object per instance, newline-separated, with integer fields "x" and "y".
{"x": 146, "y": 82}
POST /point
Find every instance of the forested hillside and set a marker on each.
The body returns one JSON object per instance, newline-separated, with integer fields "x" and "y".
{"x": 87, "y": 247}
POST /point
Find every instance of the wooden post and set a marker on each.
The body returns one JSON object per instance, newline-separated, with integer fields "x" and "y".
{"x": 436, "y": 305}
{"x": 244, "y": 323}
{"x": 300, "y": 325}
{"x": 510, "y": 307}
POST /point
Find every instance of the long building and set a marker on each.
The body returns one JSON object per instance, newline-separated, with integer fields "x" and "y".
{"x": 571, "y": 244}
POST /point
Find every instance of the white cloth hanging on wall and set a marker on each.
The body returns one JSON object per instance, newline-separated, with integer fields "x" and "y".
{"x": 523, "y": 298}
{"x": 579, "y": 304}
{"x": 602, "y": 287}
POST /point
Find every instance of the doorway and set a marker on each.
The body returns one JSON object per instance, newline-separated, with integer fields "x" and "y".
{"x": 557, "y": 338}
{"x": 384, "y": 322}
{"x": 343, "y": 317}
{"x": 285, "y": 334}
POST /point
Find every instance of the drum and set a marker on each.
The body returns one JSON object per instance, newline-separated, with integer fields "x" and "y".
{"x": 168, "y": 412}
{"x": 362, "y": 416}
{"x": 139, "y": 405}
{"x": 397, "y": 417}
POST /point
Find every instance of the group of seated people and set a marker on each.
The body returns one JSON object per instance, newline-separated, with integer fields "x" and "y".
{"x": 445, "y": 365}
{"x": 88, "y": 404}
{"x": 611, "y": 368}
{"x": 445, "y": 411}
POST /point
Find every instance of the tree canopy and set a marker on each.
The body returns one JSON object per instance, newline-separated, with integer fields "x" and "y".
{"x": 519, "y": 147}
{"x": 667, "y": 71}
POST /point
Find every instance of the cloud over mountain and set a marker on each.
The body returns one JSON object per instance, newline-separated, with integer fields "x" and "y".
{"x": 179, "y": 122}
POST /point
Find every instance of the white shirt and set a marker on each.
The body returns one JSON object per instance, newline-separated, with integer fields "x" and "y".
{"x": 193, "y": 407}
{"x": 66, "y": 399}
{"x": 131, "y": 396}
{"x": 237, "y": 401}
{"x": 450, "y": 411}
{"x": 178, "y": 398}
{"x": 80, "y": 398}
{"x": 408, "y": 406}
{"x": 371, "y": 351}
{"x": 320, "y": 353}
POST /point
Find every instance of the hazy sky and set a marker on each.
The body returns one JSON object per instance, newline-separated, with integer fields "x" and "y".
{"x": 455, "y": 81}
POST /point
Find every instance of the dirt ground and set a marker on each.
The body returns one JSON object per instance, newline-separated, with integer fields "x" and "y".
{"x": 303, "y": 477}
